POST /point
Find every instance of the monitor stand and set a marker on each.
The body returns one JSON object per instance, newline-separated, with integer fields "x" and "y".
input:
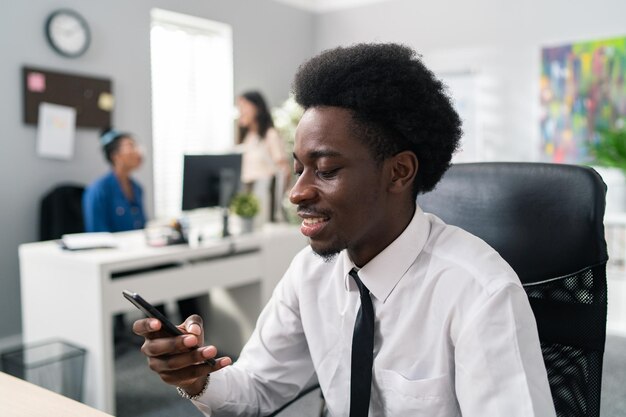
{"x": 228, "y": 185}
{"x": 225, "y": 231}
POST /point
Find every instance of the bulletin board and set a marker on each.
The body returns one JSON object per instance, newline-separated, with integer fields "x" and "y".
{"x": 91, "y": 97}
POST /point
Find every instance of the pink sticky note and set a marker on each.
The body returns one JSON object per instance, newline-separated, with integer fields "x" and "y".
{"x": 36, "y": 82}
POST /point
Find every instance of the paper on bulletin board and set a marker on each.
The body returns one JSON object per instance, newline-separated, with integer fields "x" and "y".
{"x": 55, "y": 131}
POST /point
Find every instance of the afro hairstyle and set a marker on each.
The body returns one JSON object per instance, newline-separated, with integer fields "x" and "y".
{"x": 396, "y": 102}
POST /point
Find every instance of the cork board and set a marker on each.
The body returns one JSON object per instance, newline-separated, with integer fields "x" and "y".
{"x": 91, "y": 97}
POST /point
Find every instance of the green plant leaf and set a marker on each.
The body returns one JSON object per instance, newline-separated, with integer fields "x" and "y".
{"x": 610, "y": 149}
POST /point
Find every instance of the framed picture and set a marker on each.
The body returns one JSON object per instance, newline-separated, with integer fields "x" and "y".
{"x": 582, "y": 89}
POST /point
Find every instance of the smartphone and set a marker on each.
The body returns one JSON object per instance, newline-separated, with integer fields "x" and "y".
{"x": 150, "y": 311}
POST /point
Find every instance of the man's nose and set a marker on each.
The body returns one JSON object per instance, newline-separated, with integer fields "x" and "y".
{"x": 303, "y": 189}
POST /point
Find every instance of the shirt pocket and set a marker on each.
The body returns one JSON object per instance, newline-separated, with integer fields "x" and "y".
{"x": 432, "y": 397}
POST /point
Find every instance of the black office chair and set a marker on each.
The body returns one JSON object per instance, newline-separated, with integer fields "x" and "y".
{"x": 61, "y": 212}
{"x": 546, "y": 220}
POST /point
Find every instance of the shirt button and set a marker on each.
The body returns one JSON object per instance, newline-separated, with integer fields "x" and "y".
{"x": 119, "y": 211}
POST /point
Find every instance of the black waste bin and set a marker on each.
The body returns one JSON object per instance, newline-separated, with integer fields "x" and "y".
{"x": 54, "y": 364}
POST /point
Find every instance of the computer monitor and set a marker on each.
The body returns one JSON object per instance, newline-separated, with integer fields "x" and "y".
{"x": 210, "y": 180}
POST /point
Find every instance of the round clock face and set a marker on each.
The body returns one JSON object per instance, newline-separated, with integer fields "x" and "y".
{"x": 68, "y": 33}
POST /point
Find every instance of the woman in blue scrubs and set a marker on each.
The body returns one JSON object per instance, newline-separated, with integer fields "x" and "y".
{"x": 114, "y": 202}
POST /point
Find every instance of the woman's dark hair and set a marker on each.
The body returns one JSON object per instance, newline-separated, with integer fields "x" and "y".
{"x": 263, "y": 115}
{"x": 396, "y": 102}
{"x": 110, "y": 139}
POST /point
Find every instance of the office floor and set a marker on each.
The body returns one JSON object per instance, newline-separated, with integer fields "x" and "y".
{"x": 140, "y": 393}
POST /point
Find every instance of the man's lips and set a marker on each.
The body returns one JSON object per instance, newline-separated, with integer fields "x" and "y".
{"x": 312, "y": 223}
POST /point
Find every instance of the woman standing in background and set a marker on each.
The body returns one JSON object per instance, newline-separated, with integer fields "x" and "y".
{"x": 263, "y": 152}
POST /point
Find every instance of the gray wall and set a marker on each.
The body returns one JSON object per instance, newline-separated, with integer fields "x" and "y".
{"x": 270, "y": 39}
{"x": 497, "y": 41}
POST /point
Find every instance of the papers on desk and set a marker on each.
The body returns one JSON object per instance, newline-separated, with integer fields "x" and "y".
{"x": 81, "y": 241}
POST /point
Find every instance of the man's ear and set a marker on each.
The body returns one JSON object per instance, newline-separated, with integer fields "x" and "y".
{"x": 403, "y": 167}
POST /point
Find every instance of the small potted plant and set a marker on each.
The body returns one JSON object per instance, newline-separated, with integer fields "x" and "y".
{"x": 246, "y": 206}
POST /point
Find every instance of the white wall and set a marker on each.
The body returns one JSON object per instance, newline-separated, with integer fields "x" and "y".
{"x": 498, "y": 41}
{"x": 269, "y": 39}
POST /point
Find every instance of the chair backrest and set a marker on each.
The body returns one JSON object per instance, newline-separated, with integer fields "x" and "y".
{"x": 546, "y": 220}
{"x": 61, "y": 212}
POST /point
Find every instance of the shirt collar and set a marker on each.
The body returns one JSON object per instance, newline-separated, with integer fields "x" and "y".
{"x": 384, "y": 271}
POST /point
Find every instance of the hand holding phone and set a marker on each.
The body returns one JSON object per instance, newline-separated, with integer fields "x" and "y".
{"x": 150, "y": 311}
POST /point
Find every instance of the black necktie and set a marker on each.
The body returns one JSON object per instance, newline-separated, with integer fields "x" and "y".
{"x": 362, "y": 353}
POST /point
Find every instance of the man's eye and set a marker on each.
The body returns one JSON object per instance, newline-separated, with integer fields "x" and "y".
{"x": 327, "y": 175}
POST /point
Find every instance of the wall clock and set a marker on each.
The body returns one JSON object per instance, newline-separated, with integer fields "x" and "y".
{"x": 67, "y": 33}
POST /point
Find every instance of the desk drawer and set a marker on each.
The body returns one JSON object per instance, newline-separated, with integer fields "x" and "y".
{"x": 186, "y": 279}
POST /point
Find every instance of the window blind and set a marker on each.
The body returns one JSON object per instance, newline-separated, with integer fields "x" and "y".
{"x": 192, "y": 98}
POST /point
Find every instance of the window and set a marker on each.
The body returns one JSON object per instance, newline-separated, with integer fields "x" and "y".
{"x": 192, "y": 98}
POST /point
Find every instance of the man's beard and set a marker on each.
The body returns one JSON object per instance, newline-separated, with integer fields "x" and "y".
{"x": 327, "y": 257}
{"x": 329, "y": 254}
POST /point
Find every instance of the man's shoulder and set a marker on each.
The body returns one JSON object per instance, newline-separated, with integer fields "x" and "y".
{"x": 453, "y": 248}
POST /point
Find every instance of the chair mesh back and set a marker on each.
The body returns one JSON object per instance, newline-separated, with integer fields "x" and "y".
{"x": 546, "y": 221}
{"x": 573, "y": 361}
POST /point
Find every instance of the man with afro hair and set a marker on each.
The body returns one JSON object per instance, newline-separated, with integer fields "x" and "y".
{"x": 395, "y": 312}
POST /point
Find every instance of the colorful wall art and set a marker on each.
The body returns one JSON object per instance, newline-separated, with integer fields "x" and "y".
{"x": 582, "y": 89}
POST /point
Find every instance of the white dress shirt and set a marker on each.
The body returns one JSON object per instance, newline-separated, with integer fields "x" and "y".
{"x": 454, "y": 334}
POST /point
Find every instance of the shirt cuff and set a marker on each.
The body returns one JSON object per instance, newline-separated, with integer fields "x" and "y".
{"x": 215, "y": 395}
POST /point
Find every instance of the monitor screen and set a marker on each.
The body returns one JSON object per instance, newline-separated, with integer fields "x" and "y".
{"x": 210, "y": 180}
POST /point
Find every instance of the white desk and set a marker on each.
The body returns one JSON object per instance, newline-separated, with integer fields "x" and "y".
{"x": 73, "y": 295}
{"x": 22, "y": 399}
